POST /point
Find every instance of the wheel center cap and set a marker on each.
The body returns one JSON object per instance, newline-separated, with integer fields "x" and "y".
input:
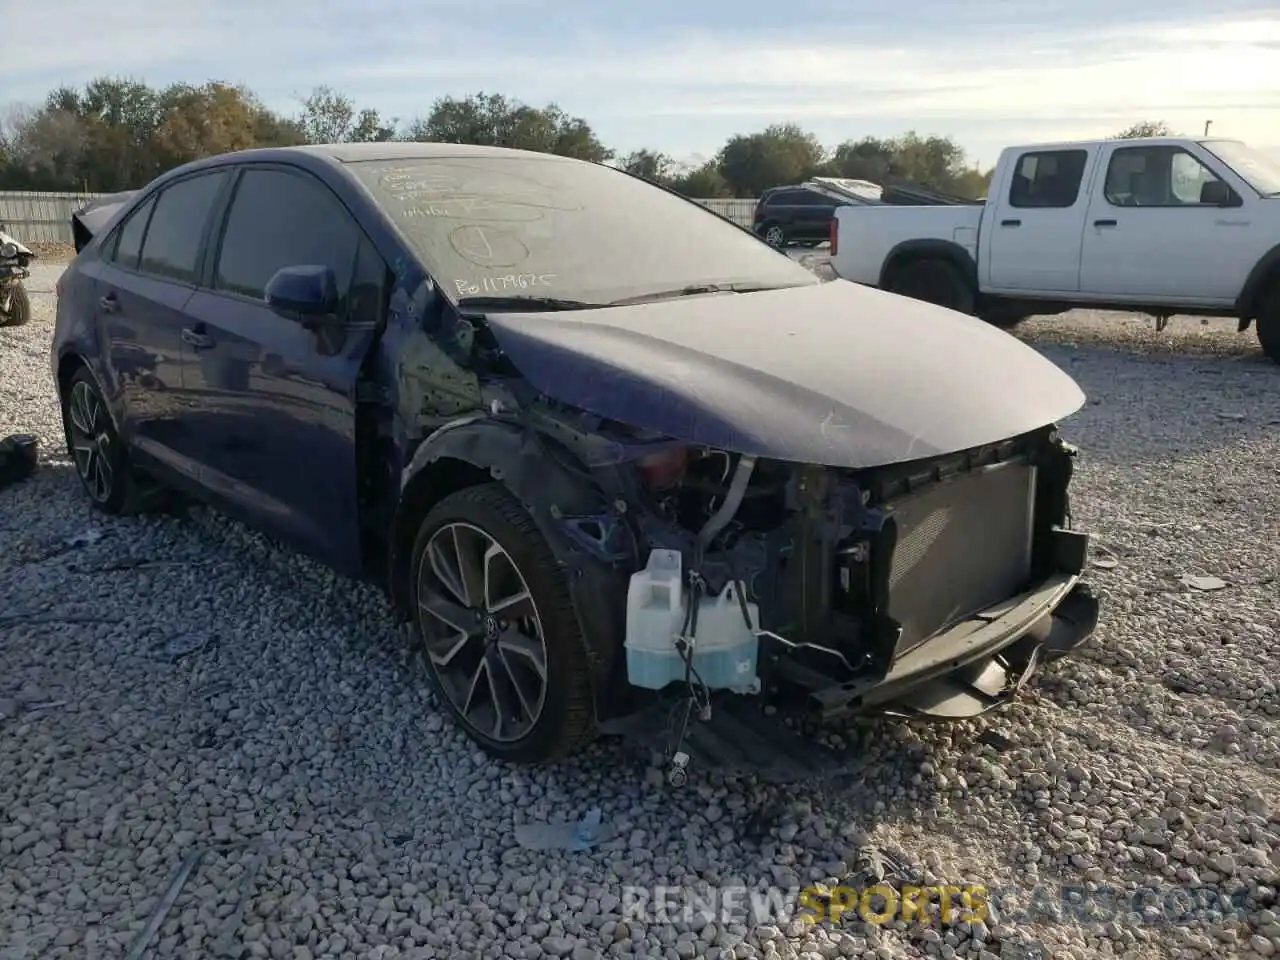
{"x": 491, "y": 627}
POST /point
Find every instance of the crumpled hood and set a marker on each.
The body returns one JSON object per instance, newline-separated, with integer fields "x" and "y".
{"x": 834, "y": 373}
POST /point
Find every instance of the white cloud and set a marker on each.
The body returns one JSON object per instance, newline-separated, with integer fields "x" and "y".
{"x": 687, "y": 92}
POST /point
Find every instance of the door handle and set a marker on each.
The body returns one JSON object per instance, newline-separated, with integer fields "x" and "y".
{"x": 109, "y": 303}
{"x": 1010, "y": 223}
{"x": 196, "y": 339}
{"x": 1104, "y": 223}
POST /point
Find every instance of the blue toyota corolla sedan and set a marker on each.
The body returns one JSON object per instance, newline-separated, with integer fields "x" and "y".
{"x": 614, "y": 459}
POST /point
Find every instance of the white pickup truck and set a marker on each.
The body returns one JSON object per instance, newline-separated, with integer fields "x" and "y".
{"x": 1161, "y": 226}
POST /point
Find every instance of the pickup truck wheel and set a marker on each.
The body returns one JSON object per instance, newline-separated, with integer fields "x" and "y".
{"x": 501, "y": 640}
{"x": 934, "y": 281}
{"x": 1268, "y": 322}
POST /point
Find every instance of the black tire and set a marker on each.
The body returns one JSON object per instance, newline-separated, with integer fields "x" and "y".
{"x": 566, "y": 721}
{"x": 19, "y": 311}
{"x": 773, "y": 235}
{"x": 934, "y": 281}
{"x": 126, "y": 492}
{"x": 1268, "y": 322}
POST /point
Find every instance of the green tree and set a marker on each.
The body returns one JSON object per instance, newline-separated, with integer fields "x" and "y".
{"x": 934, "y": 162}
{"x": 491, "y": 119}
{"x": 1145, "y": 128}
{"x": 705, "y": 182}
{"x": 782, "y": 153}
{"x": 207, "y": 120}
{"x": 331, "y": 117}
{"x": 118, "y": 133}
{"x": 649, "y": 164}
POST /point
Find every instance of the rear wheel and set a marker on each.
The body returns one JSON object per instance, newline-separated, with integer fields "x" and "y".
{"x": 498, "y": 627}
{"x": 19, "y": 309}
{"x": 1268, "y": 321}
{"x": 934, "y": 281}
{"x": 774, "y": 235}
{"x": 100, "y": 457}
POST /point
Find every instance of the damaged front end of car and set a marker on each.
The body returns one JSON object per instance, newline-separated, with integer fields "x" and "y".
{"x": 747, "y": 575}
{"x": 763, "y": 591}
{"x": 737, "y": 606}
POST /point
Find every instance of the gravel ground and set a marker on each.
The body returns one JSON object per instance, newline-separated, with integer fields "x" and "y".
{"x": 169, "y": 685}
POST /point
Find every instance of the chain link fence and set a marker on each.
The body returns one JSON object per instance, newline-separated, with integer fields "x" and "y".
{"x": 45, "y": 218}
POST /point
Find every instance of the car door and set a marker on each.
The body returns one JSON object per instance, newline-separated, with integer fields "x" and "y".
{"x": 144, "y": 279}
{"x": 1149, "y": 237}
{"x": 1031, "y": 235}
{"x": 277, "y": 424}
{"x": 786, "y": 208}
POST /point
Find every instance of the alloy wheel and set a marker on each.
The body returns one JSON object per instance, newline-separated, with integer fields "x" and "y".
{"x": 91, "y": 441}
{"x": 774, "y": 236}
{"x": 482, "y": 632}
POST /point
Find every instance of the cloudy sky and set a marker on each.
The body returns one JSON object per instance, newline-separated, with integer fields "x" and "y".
{"x": 683, "y": 76}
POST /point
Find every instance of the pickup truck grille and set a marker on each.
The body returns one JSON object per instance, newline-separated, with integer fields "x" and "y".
{"x": 964, "y": 544}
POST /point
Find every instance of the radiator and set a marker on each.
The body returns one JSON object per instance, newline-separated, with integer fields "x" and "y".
{"x": 964, "y": 544}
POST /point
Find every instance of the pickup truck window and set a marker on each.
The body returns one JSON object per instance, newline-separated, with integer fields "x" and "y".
{"x": 1047, "y": 179}
{"x": 1156, "y": 176}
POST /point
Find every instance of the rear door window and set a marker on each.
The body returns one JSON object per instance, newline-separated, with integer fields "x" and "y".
{"x": 127, "y": 247}
{"x": 787, "y": 198}
{"x": 282, "y": 218}
{"x": 176, "y": 232}
{"x": 1047, "y": 179}
{"x": 810, "y": 199}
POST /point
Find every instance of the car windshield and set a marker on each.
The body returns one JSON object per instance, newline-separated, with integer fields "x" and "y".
{"x": 1254, "y": 167}
{"x": 546, "y": 227}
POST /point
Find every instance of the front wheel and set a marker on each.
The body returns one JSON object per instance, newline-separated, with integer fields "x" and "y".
{"x": 19, "y": 309}
{"x": 1268, "y": 322}
{"x": 498, "y": 628}
{"x": 934, "y": 281}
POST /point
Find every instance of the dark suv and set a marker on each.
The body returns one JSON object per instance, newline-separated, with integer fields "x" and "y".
{"x": 786, "y": 215}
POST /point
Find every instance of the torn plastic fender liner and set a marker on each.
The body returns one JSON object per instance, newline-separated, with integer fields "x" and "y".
{"x": 516, "y": 456}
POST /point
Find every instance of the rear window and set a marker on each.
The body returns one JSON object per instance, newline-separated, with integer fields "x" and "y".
{"x": 529, "y": 226}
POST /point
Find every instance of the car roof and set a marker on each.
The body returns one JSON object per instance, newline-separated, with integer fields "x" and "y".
{"x": 788, "y": 186}
{"x": 390, "y": 150}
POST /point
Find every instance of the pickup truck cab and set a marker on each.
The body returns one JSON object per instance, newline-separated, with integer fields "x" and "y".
{"x": 1160, "y": 225}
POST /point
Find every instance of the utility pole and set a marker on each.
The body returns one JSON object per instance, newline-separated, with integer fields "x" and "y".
{"x": 1207, "y": 125}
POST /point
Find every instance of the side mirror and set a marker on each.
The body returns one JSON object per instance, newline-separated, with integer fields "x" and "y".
{"x": 1216, "y": 193}
{"x": 309, "y": 292}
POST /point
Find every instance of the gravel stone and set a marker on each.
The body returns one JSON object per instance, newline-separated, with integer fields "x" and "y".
{"x": 297, "y": 729}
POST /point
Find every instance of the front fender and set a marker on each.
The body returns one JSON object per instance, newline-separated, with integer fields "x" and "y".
{"x": 519, "y": 457}
{"x": 1255, "y": 285}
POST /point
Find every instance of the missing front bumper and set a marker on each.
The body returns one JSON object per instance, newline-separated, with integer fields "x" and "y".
{"x": 994, "y": 680}
{"x": 977, "y": 666}
{"x": 987, "y": 649}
